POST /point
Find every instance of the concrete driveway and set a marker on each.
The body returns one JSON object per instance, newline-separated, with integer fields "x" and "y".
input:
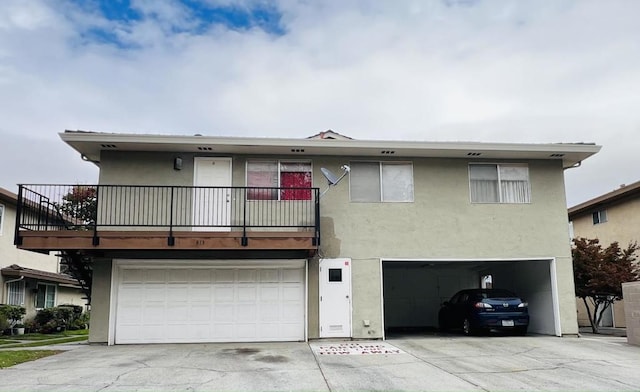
{"x": 430, "y": 363}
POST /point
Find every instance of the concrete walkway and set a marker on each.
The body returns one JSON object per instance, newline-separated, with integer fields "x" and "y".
{"x": 429, "y": 363}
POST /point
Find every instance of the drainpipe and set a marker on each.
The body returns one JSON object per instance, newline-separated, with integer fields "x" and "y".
{"x": 6, "y": 284}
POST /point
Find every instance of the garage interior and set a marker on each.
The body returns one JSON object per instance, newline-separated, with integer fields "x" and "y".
{"x": 414, "y": 290}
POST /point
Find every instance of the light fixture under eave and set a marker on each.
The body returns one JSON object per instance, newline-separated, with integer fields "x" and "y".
{"x": 332, "y": 178}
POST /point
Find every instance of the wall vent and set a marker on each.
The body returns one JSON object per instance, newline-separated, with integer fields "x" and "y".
{"x": 297, "y": 150}
{"x": 556, "y": 155}
{"x": 387, "y": 152}
{"x": 204, "y": 148}
{"x": 474, "y": 154}
{"x": 112, "y": 146}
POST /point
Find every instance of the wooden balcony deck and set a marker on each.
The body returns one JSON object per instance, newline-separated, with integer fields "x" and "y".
{"x": 161, "y": 240}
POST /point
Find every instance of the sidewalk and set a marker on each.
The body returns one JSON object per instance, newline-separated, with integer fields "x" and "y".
{"x": 610, "y": 331}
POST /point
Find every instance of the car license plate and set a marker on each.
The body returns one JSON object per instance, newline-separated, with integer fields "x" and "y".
{"x": 507, "y": 323}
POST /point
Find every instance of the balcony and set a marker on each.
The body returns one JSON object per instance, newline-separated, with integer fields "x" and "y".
{"x": 167, "y": 218}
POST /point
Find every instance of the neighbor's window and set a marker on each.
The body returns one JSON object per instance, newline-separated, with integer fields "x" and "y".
{"x": 46, "y": 297}
{"x": 268, "y": 175}
{"x": 599, "y": 217}
{"x": 491, "y": 183}
{"x": 15, "y": 293}
{"x": 381, "y": 182}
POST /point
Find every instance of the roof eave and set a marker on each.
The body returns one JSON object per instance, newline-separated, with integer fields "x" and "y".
{"x": 89, "y": 145}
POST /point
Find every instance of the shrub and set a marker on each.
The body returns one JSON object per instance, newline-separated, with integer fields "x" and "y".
{"x": 13, "y": 314}
{"x": 59, "y": 318}
{"x": 4, "y": 324}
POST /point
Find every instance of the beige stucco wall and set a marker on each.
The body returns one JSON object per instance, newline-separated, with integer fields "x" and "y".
{"x": 100, "y": 301}
{"x": 621, "y": 226}
{"x": 631, "y": 292}
{"x": 440, "y": 223}
{"x": 10, "y": 254}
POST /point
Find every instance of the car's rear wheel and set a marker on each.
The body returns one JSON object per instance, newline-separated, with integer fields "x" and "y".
{"x": 467, "y": 328}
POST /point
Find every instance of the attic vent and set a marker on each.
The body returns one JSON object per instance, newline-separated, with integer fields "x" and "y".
{"x": 108, "y": 146}
{"x": 556, "y": 155}
{"x": 202, "y": 148}
{"x": 387, "y": 152}
{"x": 297, "y": 150}
{"x": 474, "y": 154}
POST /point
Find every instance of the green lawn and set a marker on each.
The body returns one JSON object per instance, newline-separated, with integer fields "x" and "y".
{"x": 42, "y": 336}
{"x": 39, "y": 339}
{"x": 10, "y": 358}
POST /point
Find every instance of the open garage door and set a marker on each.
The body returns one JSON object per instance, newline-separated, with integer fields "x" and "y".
{"x": 216, "y": 301}
{"x": 414, "y": 289}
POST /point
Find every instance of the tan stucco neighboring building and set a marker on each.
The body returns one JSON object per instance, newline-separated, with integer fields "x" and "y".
{"x": 612, "y": 217}
{"x": 29, "y": 279}
{"x": 254, "y": 239}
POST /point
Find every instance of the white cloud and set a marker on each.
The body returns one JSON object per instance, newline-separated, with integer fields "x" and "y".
{"x": 546, "y": 71}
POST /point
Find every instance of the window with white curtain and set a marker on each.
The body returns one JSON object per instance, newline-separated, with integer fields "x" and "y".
{"x": 381, "y": 182}
{"x": 15, "y": 293}
{"x": 46, "y": 297}
{"x": 499, "y": 183}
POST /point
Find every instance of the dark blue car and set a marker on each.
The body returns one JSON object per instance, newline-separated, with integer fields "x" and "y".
{"x": 481, "y": 310}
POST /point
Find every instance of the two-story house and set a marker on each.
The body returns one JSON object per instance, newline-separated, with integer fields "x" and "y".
{"x": 214, "y": 239}
{"x": 612, "y": 217}
{"x": 29, "y": 279}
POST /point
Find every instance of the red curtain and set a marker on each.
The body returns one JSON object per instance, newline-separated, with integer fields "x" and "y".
{"x": 295, "y": 180}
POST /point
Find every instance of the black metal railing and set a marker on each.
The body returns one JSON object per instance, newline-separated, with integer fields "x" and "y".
{"x": 174, "y": 208}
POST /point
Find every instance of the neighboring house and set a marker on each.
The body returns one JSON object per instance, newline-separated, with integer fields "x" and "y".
{"x": 30, "y": 279}
{"x": 215, "y": 239}
{"x": 612, "y": 217}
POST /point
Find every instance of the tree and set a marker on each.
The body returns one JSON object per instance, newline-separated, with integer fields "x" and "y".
{"x": 79, "y": 206}
{"x": 599, "y": 273}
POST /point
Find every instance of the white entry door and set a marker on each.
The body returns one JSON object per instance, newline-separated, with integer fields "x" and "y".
{"x": 212, "y": 205}
{"x": 335, "y": 298}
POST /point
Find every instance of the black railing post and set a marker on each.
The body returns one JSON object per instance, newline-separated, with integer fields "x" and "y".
{"x": 245, "y": 240}
{"x": 171, "y": 241}
{"x": 17, "y": 239}
{"x": 316, "y": 240}
{"x": 96, "y": 240}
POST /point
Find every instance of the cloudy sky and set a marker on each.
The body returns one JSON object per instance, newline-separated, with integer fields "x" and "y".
{"x": 446, "y": 70}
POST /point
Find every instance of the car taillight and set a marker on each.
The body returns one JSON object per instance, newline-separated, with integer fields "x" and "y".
{"x": 483, "y": 305}
{"x": 523, "y": 305}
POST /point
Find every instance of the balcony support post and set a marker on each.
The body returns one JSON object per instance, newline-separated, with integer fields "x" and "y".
{"x": 171, "y": 241}
{"x": 245, "y": 240}
{"x": 17, "y": 239}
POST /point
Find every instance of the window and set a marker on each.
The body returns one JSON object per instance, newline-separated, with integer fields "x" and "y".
{"x": 266, "y": 175}
{"x": 335, "y": 274}
{"x": 1, "y": 217}
{"x": 46, "y": 297}
{"x": 381, "y": 182}
{"x": 15, "y": 293}
{"x": 599, "y": 217}
{"x": 491, "y": 183}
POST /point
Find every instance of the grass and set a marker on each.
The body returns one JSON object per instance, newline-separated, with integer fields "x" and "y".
{"x": 42, "y": 336}
{"x": 39, "y": 339}
{"x": 10, "y": 358}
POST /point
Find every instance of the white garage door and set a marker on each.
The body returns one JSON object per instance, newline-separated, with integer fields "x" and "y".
{"x": 166, "y": 304}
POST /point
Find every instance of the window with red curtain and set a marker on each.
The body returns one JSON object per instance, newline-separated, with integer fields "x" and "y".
{"x": 273, "y": 174}
{"x": 295, "y": 175}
